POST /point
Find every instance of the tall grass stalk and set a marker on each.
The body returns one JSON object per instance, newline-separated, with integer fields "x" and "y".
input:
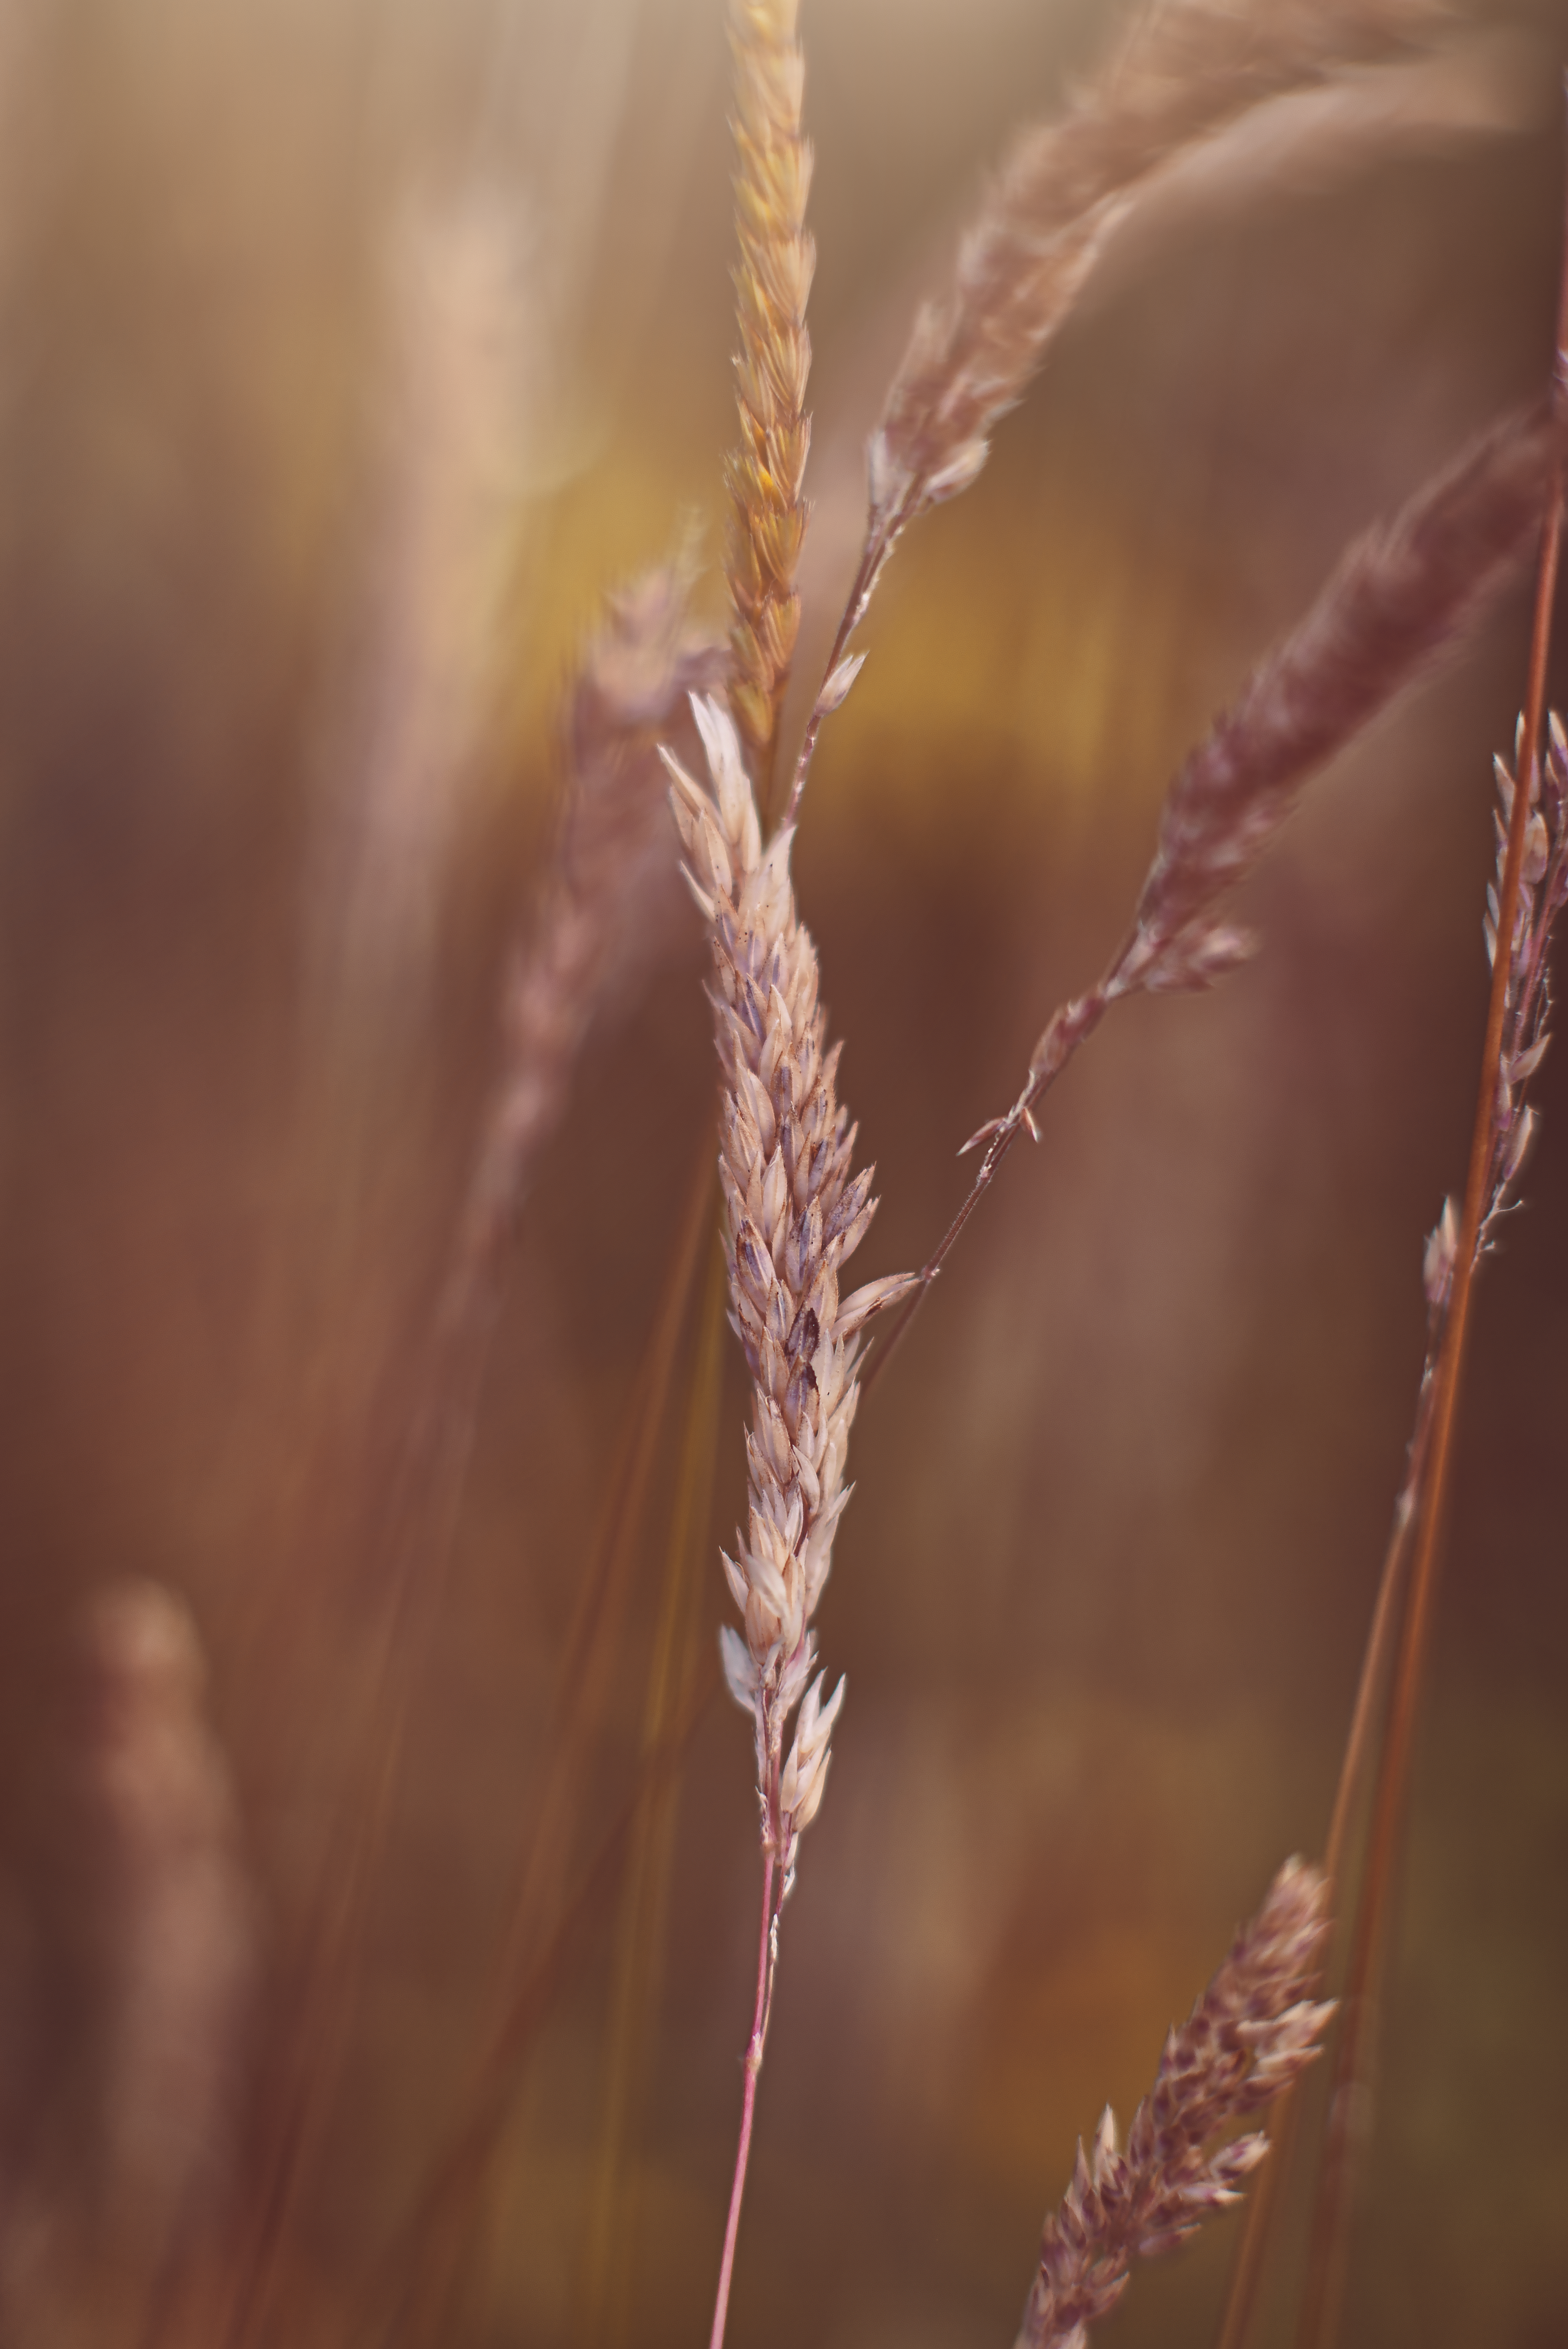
{"x": 1375, "y": 1770}
{"x": 1320, "y": 2314}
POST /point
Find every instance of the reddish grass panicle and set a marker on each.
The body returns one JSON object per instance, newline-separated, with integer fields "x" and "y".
{"x": 1254, "y": 2029}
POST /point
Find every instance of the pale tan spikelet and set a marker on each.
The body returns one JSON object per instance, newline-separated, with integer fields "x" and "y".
{"x": 772, "y": 280}
{"x": 1255, "y": 2030}
{"x": 1186, "y": 69}
{"x": 794, "y": 1216}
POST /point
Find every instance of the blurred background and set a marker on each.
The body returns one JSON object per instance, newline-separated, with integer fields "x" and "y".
{"x": 348, "y": 353}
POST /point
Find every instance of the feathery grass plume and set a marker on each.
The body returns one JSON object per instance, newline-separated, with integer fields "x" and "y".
{"x": 1183, "y": 70}
{"x": 794, "y": 1218}
{"x": 773, "y": 174}
{"x": 1407, "y": 592}
{"x": 1254, "y": 2029}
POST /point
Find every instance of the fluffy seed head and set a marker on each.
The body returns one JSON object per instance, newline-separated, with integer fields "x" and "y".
{"x": 794, "y": 1215}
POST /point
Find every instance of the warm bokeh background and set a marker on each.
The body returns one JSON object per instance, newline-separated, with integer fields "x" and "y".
{"x": 1122, "y": 1500}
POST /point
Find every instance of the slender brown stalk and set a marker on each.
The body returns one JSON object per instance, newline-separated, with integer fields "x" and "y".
{"x": 1543, "y": 893}
{"x": 450, "y": 2191}
{"x": 1371, "y": 1692}
{"x": 1405, "y": 594}
{"x": 1320, "y": 2314}
{"x": 630, "y": 687}
{"x": 772, "y": 179}
{"x": 435, "y": 2240}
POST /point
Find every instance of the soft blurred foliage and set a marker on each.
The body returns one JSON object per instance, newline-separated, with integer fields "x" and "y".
{"x": 1123, "y": 1499}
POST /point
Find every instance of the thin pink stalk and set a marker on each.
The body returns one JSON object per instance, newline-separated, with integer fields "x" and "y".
{"x": 766, "y": 1953}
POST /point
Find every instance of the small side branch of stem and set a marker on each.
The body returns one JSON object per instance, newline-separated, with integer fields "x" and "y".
{"x": 1073, "y": 1025}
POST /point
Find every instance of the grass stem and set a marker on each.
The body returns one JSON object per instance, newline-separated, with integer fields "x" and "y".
{"x": 1347, "y": 2112}
{"x": 766, "y": 1958}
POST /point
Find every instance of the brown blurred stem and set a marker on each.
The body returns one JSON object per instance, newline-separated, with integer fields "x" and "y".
{"x": 642, "y": 1926}
{"x": 1283, "y": 2123}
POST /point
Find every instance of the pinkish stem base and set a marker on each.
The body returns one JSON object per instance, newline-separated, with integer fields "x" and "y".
{"x": 748, "y": 2102}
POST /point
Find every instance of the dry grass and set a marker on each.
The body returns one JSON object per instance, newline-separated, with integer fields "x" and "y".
{"x": 474, "y": 1767}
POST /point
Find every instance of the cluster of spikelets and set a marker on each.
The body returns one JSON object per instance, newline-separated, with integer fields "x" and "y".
{"x": 1543, "y": 891}
{"x": 772, "y": 280}
{"x": 794, "y": 1216}
{"x": 1254, "y": 2029}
